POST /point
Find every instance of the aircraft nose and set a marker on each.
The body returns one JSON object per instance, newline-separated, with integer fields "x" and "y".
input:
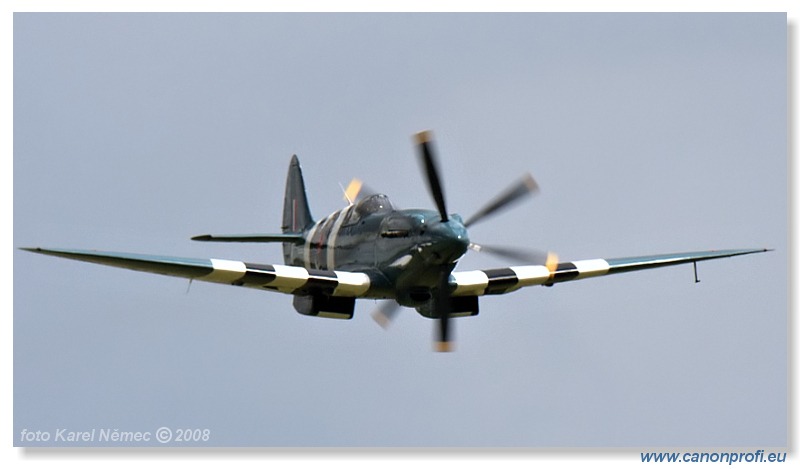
{"x": 450, "y": 240}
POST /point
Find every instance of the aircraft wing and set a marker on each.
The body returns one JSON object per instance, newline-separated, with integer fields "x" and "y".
{"x": 506, "y": 280}
{"x": 281, "y": 278}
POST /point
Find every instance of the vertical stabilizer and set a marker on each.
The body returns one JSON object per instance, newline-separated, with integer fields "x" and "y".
{"x": 296, "y": 215}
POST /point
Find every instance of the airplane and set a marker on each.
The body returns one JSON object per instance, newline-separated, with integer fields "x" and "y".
{"x": 370, "y": 249}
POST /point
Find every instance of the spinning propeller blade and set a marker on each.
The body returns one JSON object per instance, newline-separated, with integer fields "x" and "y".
{"x": 431, "y": 171}
{"x": 515, "y": 193}
{"x": 525, "y": 256}
{"x": 357, "y": 190}
{"x": 385, "y": 313}
{"x": 351, "y": 193}
{"x": 442, "y": 308}
{"x": 551, "y": 262}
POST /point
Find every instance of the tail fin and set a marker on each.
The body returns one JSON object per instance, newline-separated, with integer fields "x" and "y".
{"x": 296, "y": 215}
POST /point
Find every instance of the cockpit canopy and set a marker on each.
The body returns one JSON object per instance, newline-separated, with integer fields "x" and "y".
{"x": 374, "y": 204}
{"x": 377, "y": 204}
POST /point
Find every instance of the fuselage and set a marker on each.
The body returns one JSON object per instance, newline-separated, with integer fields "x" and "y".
{"x": 406, "y": 251}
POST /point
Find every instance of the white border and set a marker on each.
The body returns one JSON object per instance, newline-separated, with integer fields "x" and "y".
{"x": 13, "y": 457}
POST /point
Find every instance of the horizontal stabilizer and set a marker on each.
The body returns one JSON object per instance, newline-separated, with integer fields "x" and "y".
{"x": 252, "y": 238}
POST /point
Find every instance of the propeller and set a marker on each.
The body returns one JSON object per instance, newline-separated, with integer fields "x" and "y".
{"x": 385, "y": 313}
{"x": 432, "y": 172}
{"x": 357, "y": 190}
{"x": 525, "y": 256}
{"x": 441, "y": 294}
{"x": 512, "y": 195}
{"x": 441, "y": 305}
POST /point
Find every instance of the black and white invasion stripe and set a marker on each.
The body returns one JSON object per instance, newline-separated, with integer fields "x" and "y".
{"x": 499, "y": 281}
{"x": 287, "y": 279}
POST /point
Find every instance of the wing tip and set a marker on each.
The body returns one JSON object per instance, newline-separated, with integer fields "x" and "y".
{"x": 753, "y": 250}
{"x": 40, "y": 250}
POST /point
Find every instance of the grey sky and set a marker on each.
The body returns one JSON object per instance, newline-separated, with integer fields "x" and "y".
{"x": 648, "y": 133}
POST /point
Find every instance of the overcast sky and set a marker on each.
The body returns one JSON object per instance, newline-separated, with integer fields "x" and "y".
{"x": 647, "y": 133}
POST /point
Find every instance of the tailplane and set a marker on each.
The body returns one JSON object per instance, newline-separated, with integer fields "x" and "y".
{"x": 296, "y": 218}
